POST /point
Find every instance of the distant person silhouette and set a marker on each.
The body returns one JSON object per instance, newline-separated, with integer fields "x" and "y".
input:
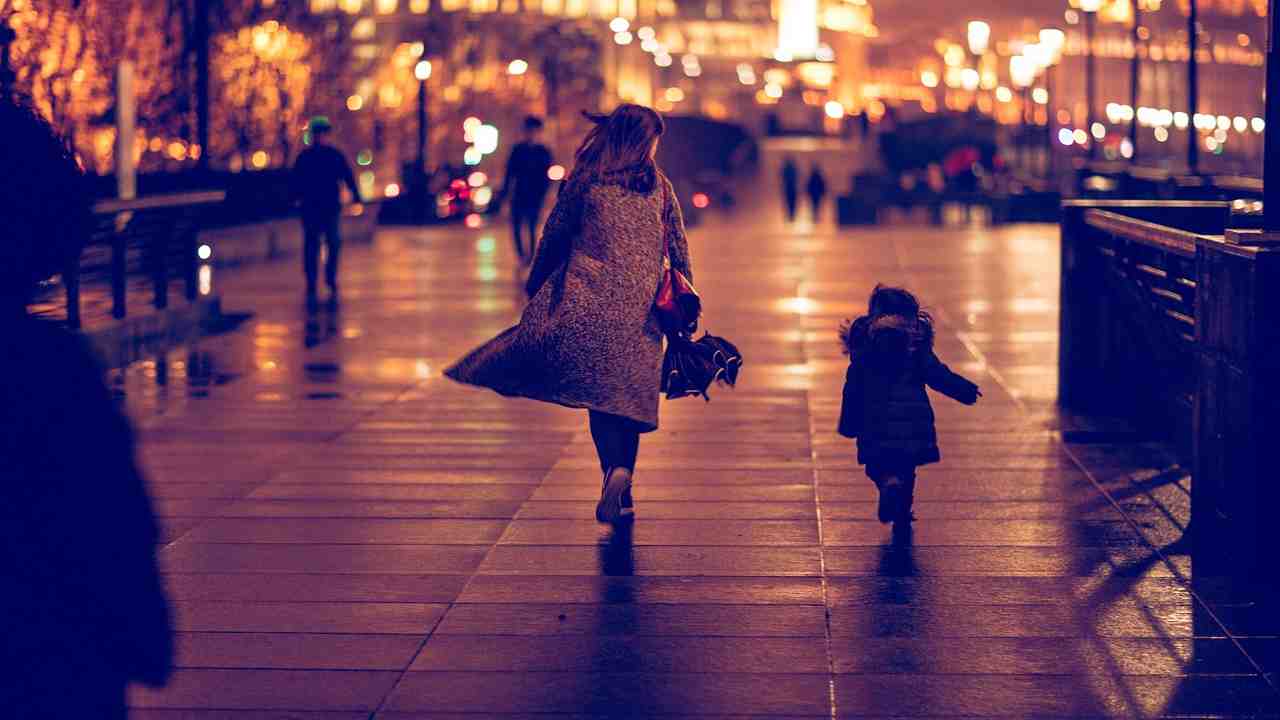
{"x": 526, "y": 183}
{"x": 790, "y": 187}
{"x": 817, "y": 189}
{"x": 82, "y": 611}
{"x": 318, "y": 173}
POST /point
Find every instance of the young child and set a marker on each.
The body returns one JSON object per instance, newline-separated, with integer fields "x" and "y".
{"x": 886, "y": 407}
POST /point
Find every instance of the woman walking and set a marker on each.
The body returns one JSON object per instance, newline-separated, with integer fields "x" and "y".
{"x": 589, "y": 337}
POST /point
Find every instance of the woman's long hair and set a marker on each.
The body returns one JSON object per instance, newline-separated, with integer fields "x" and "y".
{"x": 617, "y": 150}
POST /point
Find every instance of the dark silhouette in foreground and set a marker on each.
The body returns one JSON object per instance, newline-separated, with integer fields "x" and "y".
{"x": 82, "y": 611}
{"x": 790, "y": 187}
{"x": 318, "y": 175}
{"x": 526, "y": 183}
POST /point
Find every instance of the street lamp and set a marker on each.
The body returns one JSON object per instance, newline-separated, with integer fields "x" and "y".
{"x": 7, "y": 75}
{"x": 1053, "y": 40}
{"x": 1022, "y": 73}
{"x": 421, "y": 193}
{"x": 1271, "y": 139}
{"x": 422, "y": 71}
{"x": 1090, "y": 9}
{"x": 979, "y": 36}
{"x": 1193, "y": 87}
{"x": 1135, "y": 70}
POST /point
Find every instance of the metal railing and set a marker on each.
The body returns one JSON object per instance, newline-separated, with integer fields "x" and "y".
{"x": 1129, "y": 310}
{"x": 1168, "y": 319}
{"x": 145, "y": 240}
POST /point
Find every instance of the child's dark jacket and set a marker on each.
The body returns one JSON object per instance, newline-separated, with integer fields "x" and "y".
{"x": 886, "y": 406}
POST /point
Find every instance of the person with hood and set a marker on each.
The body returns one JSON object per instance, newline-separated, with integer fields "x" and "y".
{"x": 885, "y": 404}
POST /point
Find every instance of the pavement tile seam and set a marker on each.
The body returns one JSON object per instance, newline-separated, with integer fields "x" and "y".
{"x": 281, "y": 460}
{"x": 426, "y": 639}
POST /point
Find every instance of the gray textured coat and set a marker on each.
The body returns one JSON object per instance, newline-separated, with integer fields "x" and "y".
{"x": 589, "y": 337}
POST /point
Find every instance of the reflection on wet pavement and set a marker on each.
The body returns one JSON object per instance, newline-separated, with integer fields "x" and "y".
{"x": 347, "y": 532}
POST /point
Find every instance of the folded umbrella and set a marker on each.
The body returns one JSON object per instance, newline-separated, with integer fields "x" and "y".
{"x": 689, "y": 367}
{"x": 725, "y": 355}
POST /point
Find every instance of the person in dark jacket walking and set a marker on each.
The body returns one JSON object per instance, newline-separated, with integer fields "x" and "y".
{"x": 318, "y": 175}
{"x": 790, "y": 187}
{"x": 82, "y": 611}
{"x": 590, "y": 337}
{"x": 885, "y": 406}
{"x": 817, "y": 189}
{"x": 526, "y": 183}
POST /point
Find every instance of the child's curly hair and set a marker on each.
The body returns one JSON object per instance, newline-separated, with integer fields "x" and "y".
{"x": 888, "y": 302}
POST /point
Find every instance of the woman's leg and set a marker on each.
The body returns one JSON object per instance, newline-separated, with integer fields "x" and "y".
{"x": 617, "y": 442}
{"x": 603, "y": 437}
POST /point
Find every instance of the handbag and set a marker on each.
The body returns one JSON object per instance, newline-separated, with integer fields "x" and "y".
{"x": 677, "y": 303}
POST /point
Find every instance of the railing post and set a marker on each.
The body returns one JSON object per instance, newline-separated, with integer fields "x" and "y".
{"x": 71, "y": 281}
{"x": 1081, "y": 322}
{"x": 1271, "y": 131}
{"x": 119, "y": 268}
{"x": 1237, "y": 415}
{"x": 191, "y": 263}
{"x": 160, "y": 270}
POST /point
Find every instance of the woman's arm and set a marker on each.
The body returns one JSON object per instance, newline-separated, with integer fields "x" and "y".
{"x": 673, "y": 229}
{"x": 557, "y": 235}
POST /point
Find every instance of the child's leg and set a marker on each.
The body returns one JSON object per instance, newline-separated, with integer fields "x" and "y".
{"x": 889, "y": 483}
{"x": 908, "y": 474}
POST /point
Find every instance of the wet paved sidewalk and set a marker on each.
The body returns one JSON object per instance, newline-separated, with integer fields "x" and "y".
{"x": 349, "y": 535}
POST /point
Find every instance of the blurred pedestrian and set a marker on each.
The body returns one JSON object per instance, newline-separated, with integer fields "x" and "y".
{"x": 526, "y": 183}
{"x": 82, "y": 611}
{"x": 318, "y": 175}
{"x": 885, "y": 405}
{"x": 817, "y": 189}
{"x": 590, "y": 337}
{"x": 790, "y": 187}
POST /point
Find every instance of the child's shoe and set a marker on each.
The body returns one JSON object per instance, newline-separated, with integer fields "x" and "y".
{"x": 890, "y": 499}
{"x": 628, "y": 511}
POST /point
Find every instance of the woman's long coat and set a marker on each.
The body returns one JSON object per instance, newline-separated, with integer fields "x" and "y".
{"x": 589, "y": 337}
